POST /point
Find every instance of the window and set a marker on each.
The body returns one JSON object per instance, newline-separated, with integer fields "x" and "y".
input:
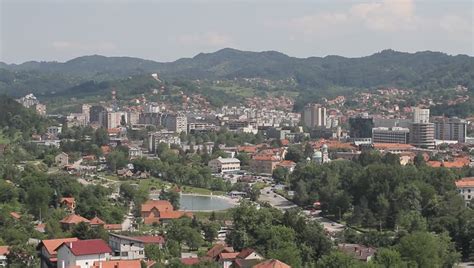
{"x": 124, "y": 254}
{"x": 140, "y": 252}
{"x": 469, "y": 197}
{"x": 468, "y": 190}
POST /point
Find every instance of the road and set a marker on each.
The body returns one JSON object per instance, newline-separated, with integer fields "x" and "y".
{"x": 274, "y": 199}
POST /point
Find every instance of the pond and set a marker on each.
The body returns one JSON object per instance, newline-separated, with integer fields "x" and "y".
{"x": 192, "y": 202}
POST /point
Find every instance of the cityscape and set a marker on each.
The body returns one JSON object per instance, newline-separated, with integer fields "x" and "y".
{"x": 232, "y": 158}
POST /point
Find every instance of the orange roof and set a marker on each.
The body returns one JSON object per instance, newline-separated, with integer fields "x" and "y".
{"x": 459, "y": 162}
{"x": 393, "y": 146}
{"x": 73, "y": 219}
{"x": 228, "y": 255}
{"x": 117, "y": 264}
{"x": 285, "y": 142}
{"x": 52, "y": 244}
{"x": 67, "y": 200}
{"x": 189, "y": 261}
{"x": 247, "y": 149}
{"x": 272, "y": 264}
{"x": 171, "y": 214}
{"x": 160, "y": 205}
{"x": 96, "y": 221}
{"x": 217, "y": 249}
{"x": 287, "y": 163}
{"x": 113, "y": 130}
{"x": 15, "y": 215}
{"x": 105, "y": 149}
{"x": 3, "y": 250}
{"x": 265, "y": 158}
{"x": 151, "y": 220}
{"x": 465, "y": 182}
{"x": 111, "y": 227}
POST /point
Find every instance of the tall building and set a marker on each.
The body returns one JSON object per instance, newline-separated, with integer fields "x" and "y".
{"x": 390, "y": 135}
{"x": 361, "y": 126}
{"x": 451, "y": 129}
{"x": 421, "y": 130}
{"x": 114, "y": 119}
{"x": 314, "y": 115}
{"x": 86, "y": 111}
{"x": 176, "y": 122}
{"x": 421, "y": 115}
{"x": 97, "y": 114}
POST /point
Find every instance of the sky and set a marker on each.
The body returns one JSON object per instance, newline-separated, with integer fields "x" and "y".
{"x": 59, "y": 30}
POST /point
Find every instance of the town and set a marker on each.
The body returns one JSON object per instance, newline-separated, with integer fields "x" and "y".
{"x": 150, "y": 183}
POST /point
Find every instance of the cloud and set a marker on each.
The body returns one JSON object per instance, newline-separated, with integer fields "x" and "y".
{"x": 456, "y": 24}
{"x": 207, "y": 39}
{"x": 68, "y": 45}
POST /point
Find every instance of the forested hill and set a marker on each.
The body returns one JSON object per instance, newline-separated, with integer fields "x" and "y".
{"x": 387, "y": 68}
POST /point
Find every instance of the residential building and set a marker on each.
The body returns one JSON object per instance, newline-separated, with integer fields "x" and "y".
{"x": 156, "y": 211}
{"x": 62, "y": 159}
{"x": 71, "y": 220}
{"x": 97, "y": 114}
{"x": 3, "y": 256}
{"x": 390, "y": 135}
{"x": 82, "y": 253}
{"x": 264, "y": 164}
{"x": 135, "y": 152}
{"x": 167, "y": 137}
{"x": 271, "y": 264}
{"x": 421, "y": 115}
{"x": 314, "y": 115}
{"x": 359, "y": 252}
{"x": 86, "y": 111}
{"x": 54, "y": 130}
{"x": 176, "y": 122}
{"x": 223, "y": 165}
{"x": 68, "y": 203}
{"x": 450, "y": 129}
{"x": 132, "y": 247}
{"x": 114, "y": 119}
{"x": 466, "y": 188}
{"x": 47, "y": 251}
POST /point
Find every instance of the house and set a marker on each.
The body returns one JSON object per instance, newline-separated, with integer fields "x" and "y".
{"x": 264, "y": 164}
{"x": 466, "y": 188}
{"x": 47, "y": 250}
{"x": 222, "y": 165}
{"x": 132, "y": 247}
{"x": 117, "y": 264}
{"x": 288, "y": 165}
{"x": 272, "y": 264}
{"x": 217, "y": 249}
{"x": 3, "y": 256}
{"x": 249, "y": 254}
{"x": 15, "y": 215}
{"x": 155, "y": 211}
{"x": 359, "y": 252}
{"x": 71, "y": 220}
{"x": 69, "y": 203}
{"x": 135, "y": 152}
{"x": 82, "y": 253}
{"x": 190, "y": 261}
{"x": 62, "y": 159}
{"x": 125, "y": 172}
{"x": 226, "y": 259}
{"x": 96, "y": 222}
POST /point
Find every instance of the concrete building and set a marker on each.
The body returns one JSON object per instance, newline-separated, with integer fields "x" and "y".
{"x": 62, "y": 159}
{"x": 47, "y": 251}
{"x": 97, "y": 114}
{"x": 450, "y": 129}
{"x": 176, "y": 122}
{"x": 167, "y": 137}
{"x": 466, "y": 188}
{"x": 223, "y": 165}
{"x": 86, "y": 111}
{"x": 421, "y": 130}
{"x": 314, "y": 115}
{"x": 54, "y": 130}
{"x": 390, "y": 135}
{"x": 132, "y": 247}
{"x": 114, "y": 119}
{"x": 361, "y": 126}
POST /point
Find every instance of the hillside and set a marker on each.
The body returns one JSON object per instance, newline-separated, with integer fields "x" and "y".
{"x": 387, "y": 68}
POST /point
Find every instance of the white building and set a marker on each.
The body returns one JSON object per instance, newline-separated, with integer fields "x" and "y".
{"x": 466, "y": 188}
{"x": 314, "y": 115}
{"x": 82, "y": 253}
{"x": 3, "y": 256}
{"x": 126, "y": 248}
{"x": 54, "y": 130}
{"x": 222, "y": 165}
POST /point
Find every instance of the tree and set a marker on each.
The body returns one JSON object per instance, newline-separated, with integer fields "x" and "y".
{"x": 294, "y": 154}
{"x": 154, "y": 252}
{"x": 116, "y": 160}
{"x": 101, "y": 137}
{"x": 337, "y": 259}
{"x": 280, "y": 175}
{"x": 22, "y": 256}
{"x": 84, "y": 231}
{"x": 171, "y": 196}
{"x": 210, "y": 231}
{"x": 419, "y": 160}
{"x": 388, "y": 258}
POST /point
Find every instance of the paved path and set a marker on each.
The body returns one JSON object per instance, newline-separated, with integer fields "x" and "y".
{"x": 274, "y": 199}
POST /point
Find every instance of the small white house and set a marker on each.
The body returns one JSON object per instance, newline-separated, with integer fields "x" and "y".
{"x": 466, "y": 188}
{"x": 222, "y": 165}
{"x": 82, "y": 253}
{"x": 62, "y": 159}
{"x": 3, "y": 256}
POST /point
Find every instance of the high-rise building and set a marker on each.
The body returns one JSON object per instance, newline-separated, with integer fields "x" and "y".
{"x": 86, "y": 111}
{"x": 421, "y": 115}
{"x": 390, "y": 135}
{"x": 97, "y": 114}
{"x": 176, "y": 122}
{"x": 421, "y": 130}
{"x": 361, "y": 126}
{"x": 314, "y": 115}
{"x": 114, "y": 119}
{"x": 452, "y": 129}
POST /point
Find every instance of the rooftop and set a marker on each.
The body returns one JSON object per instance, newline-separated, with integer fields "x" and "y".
{"x": 87, "y": 247}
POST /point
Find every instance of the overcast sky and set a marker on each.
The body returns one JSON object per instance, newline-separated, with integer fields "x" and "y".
{"x": 167, "y": 30}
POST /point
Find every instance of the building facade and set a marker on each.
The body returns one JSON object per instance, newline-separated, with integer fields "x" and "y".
{"x": 314, "y": 115}
{"x": 450, "y": 129}
{"x": 222, "y": 165}
{"x": 390, "y": 135}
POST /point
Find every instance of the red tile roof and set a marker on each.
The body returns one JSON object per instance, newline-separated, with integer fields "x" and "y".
{"x": 150, "y": 239}
{"x": 96, "y": 221}
{"x": 272, "y": 264}
{"x": 245, "y": 253}
{"x": 113, "y": 227}
{"x": 73, "y": 219}
{"x": 87, "y": 247}
{"x": 189, "y": 261}
{"x": 15, "y": 215}
{"x": 3, "y": 250}
{"x": 52, "y": 244}
{"x": 465, "y": 182}
{"x": 160, "y": 205}
{"x": 117, "y": 264}
{"x": 217, "y": 249}
{"x": 228, "y": 255}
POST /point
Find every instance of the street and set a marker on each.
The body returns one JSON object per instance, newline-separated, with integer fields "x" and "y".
{"x": 274, "y": 199}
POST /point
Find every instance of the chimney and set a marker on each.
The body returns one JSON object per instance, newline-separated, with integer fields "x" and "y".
{"x": 70, "y": 245}
{"x": 62, "y": 264}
